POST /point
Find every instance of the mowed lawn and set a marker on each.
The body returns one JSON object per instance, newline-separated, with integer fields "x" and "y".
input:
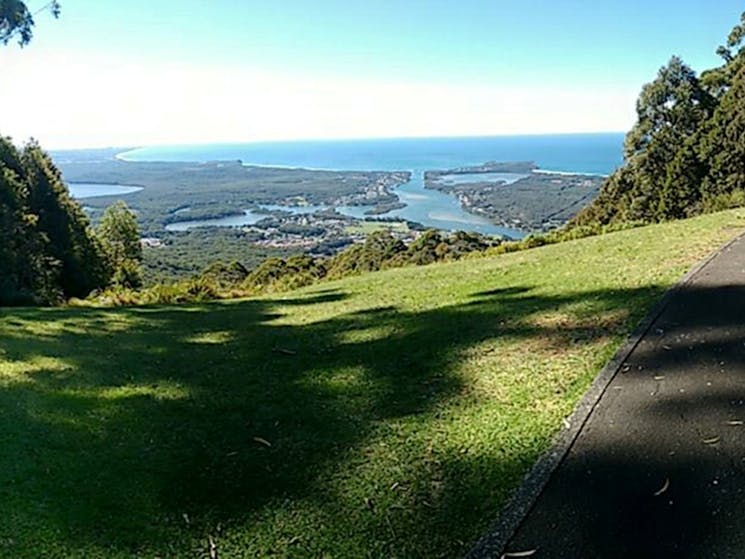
{"x": 388, "y": 415}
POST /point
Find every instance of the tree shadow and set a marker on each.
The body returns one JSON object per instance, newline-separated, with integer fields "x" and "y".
{"x": 144, "y": 430}
{"x": 323, "y": 296}
{"x": 658, "y": 470}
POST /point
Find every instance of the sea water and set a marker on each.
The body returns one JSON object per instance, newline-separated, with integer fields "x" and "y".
{"x": 576, "y": 153}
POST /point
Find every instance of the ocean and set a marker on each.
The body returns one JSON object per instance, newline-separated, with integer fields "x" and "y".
{"x": 572, "y": 153}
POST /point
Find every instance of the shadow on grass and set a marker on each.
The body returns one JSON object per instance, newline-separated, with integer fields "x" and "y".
{"x": 142, "y": 429}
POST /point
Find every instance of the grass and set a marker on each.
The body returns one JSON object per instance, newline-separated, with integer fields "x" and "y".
{"x": 387, "y": 415}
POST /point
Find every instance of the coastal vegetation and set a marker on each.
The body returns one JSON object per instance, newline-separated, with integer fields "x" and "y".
{"x": 530, "y": 200}
{"x": 381, "y": 249}
{"x": 175, "y": 256}
{"x": 185, "y": 191}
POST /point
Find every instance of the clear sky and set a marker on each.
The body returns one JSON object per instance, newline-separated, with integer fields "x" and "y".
{"x": 142, "y": 72}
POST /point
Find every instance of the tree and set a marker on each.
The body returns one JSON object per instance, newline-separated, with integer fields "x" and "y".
{"x": 47, "y": 249}
{"x": 723, "y": 144}
{"x": 72, "y": 242}
{"x": 734, "y": 41}
{"x": 424, "y": 250}
{"x": 663, "y": 169}
{"x": 27, "y": 272}
{"x": 120, "y": 236}
{"x": 681, "y": 191}
{"x": 669, "y": 108}
{"x": 17, "y": 21}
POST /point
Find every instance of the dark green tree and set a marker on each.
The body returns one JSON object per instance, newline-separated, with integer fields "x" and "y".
{"x": 669, "y": 108}
{"x": 83, "y": 265}
{"x": 663, "y": 169}
{"x": 223, "y": 274}
{"x": 379, "y": 250}
{"x": 120, "y": 235}
{"x": 681, "y": 193}
{"x": 724, "y": 143}
{"x": 27, "y": 273}
{"x": 427, "y": 248}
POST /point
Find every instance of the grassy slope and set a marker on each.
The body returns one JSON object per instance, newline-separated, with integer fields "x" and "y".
{"x": 400, "y": 407}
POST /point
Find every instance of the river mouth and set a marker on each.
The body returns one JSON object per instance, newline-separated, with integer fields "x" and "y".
{"x": 429, "y": 207}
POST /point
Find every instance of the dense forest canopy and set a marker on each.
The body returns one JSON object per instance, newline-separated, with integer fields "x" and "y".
{"x": 686, "y": 153}
{"x": 48, "y": 250}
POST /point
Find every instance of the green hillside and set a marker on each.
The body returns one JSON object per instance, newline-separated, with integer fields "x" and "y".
{"x": 385, "y": 415}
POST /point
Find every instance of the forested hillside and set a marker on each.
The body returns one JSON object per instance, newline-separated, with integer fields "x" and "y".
{"x": 686, "y": 153}
{"x": 48, "y": 251}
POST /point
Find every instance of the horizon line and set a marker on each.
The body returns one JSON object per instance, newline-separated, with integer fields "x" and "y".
{"x": 130, "y": 147}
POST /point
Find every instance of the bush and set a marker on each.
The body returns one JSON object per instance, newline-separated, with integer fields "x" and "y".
{"x": 724, "y": 201}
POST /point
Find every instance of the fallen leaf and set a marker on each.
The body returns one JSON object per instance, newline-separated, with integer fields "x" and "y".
{"x": 664, "y": 488}
{"x": 528, "y": 553}
{"x": 262, "y": 441}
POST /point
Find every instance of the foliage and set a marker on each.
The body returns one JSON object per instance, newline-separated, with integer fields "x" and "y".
{"x": 685, "y": 155}
{"x": 72, "y": 243}
{"x": 225, "y": 274}
{"x": 723, "y": 144}
{"x": 195, "y": 290}
{"x": 48, "y": 250}
{"x": 182, "y": 255}
{"x": 26, "y": 269}
{"x": 277, "y": 274}
{"x": 17, "y": 21}
{"x": 381, "y": 250}
{"x": 120, "y": 235}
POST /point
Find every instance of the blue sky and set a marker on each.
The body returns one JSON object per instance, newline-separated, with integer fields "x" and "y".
{"x": 144, "y": 72}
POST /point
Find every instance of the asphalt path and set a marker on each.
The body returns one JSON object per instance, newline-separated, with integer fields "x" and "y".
{"x": 658, "y": 468}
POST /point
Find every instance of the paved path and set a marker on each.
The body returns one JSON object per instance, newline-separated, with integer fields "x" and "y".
{"x": 658, "y": 470}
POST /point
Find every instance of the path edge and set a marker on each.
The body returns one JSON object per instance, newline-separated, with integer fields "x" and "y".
{"x": 493, "y": 543}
